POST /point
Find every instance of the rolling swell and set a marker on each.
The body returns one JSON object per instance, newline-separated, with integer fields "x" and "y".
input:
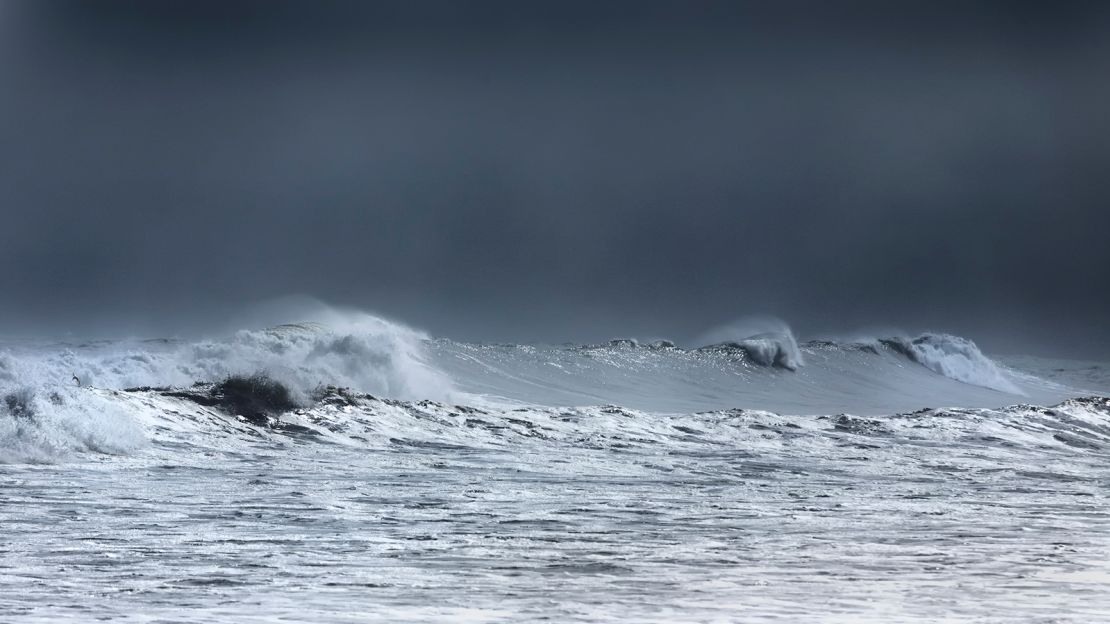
{"x": 764, "y": 371}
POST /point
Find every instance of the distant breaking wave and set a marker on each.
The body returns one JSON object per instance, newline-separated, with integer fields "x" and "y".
{"x": 766, "y": 341}
{"x": 956, "y": 358}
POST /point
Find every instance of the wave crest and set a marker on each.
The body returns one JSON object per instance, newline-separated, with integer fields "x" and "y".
{"x": 350, "y": 348}
{"x": 954, "y": 357}
{"x": 767, "y": 341}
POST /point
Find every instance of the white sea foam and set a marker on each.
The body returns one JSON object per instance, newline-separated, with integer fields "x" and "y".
{"x": 563, "y": 505}
{"x": 347, "y": 348}
{"x": 46, "y": 413}
{"x": 41, "y": 427}
{"x": 960, "y": 359}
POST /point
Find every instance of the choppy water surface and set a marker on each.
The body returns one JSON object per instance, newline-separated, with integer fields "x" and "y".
{"x": 356, "y": 508}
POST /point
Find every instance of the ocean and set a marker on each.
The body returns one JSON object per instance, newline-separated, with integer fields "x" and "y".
{"x": 351, "y": 469}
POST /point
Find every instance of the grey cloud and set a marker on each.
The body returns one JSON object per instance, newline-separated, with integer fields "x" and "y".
{"x": 560, "y": 171}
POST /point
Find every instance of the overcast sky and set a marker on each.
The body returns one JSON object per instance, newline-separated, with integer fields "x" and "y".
{"x": 560, "y": 170}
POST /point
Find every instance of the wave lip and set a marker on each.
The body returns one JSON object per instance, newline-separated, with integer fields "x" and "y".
{"x": 956, "y": 358}
{"x": 766, "y": 341}
{"x": 774, "y": 350}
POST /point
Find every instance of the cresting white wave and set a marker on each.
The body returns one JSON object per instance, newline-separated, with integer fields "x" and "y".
{"x": 768, "y": 341}
{"x": 44, "y": 425}
{"x": 351, "y": 349}
{"x": 45, "y": 415}
{"x": 956, "y": 358}
{"x": 46, "y": 412}
{"x": 767, "y": 370}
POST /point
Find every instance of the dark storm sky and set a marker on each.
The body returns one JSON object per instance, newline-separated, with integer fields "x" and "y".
{"x": 560, "y": 170}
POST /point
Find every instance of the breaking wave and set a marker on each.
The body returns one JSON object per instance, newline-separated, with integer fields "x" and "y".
{"x": 766, "y": 341}
{"x": 48, "y": 412}
{"x": 956, "y": 358}
{"x": 349, "y": 348}
{"x": 57, "y": 400}
{"x": 43, "y": 426}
